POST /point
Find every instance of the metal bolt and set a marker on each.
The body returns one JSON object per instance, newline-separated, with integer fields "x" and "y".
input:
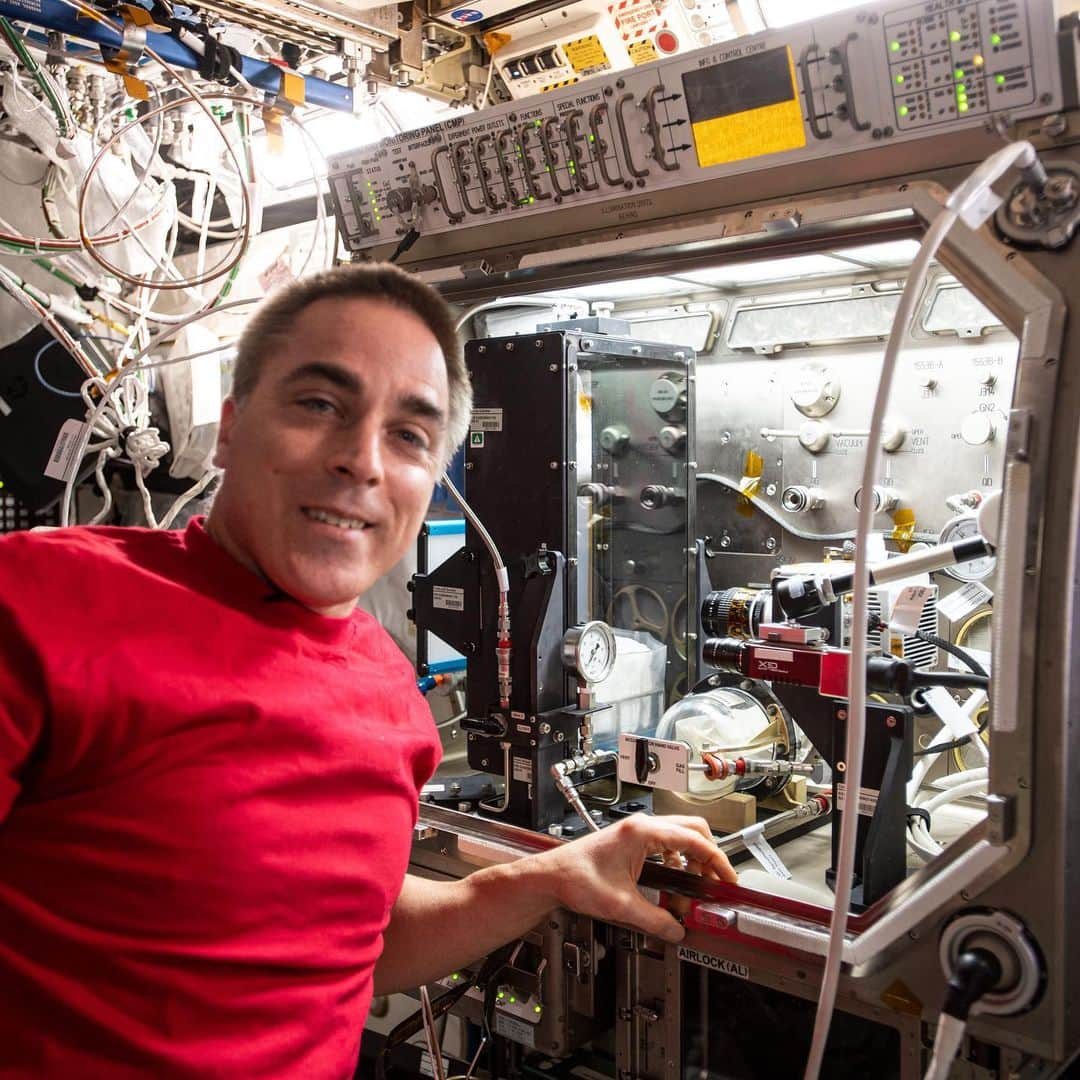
{"x": 509, "y": 346}
{"x": 484, "y": 762}
{"x": 538, "y": 343}
{"x": 480, "y": 349}
{"x": 841, "y": 714}
{"x": 725, "y": 541}
{"x": 553, "y": 464}
{"x": 586, "y": 344}
{"x": 560, "y": 737}
{"x": 553, "y": 368}
{"x": 545, "y": 728}
{"x": 770, "y": 543}
{"x": 841, "y": 766}
{"x": 770, "y": 489}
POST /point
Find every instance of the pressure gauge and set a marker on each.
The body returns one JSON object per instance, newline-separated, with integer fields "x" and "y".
{"x": 589, "y": 650}
{"x": 963, "y": 528}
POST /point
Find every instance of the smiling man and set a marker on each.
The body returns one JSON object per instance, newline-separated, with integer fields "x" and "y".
{"x": 210, "y": 759}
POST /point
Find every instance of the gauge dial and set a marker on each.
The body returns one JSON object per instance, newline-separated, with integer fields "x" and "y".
{"x": 963, "y": 528}
{"x": 589, "y": 650}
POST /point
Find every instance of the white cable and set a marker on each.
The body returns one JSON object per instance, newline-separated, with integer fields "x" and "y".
{"x": 961, "y": 791}
{"x": 944, "y": 783}
{"x": 192, "y": 492}
{"x": 965, "y": 201}
{"x": 947, "y": 1041}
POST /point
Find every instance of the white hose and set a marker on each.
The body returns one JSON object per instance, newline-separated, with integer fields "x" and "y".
{"x": 947, "y": 1040}
{"x": 962, "y": 791}
{"x": 964, "y": 201}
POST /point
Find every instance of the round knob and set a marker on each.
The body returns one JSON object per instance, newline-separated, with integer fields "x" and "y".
{"x": 814, "y": 436}
{"x": 815, "y": 391}
{"x": 672, "y": 438}
{"x": 988, "y": 378}
{"x": 977, "y": 428}
{"x": 667, "y": 397}
{"x": 615, "y": 439}
{"x": 893, "y": 435}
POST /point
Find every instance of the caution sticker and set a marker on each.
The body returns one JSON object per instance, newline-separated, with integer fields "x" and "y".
{"x": 642, "y": 52}
{"x": 587, "y": 55}
{"x": 636, "y": 18}
{"x": 745, "y": 108}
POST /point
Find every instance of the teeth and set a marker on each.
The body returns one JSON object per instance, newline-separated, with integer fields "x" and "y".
{"x": 333, "y": 519}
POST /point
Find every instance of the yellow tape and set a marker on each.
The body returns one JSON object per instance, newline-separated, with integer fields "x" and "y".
{"x": 494, "y": 40}
{"x": 292, "y": 87}
{"x": 904, "y": 528}
{"x": 275, "y": 138}
{"x": 136, "y": 88}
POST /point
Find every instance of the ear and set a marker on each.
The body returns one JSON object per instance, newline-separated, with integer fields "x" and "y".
{"x": 229, "y": 410}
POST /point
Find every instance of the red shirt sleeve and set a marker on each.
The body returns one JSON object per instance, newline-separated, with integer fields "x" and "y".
{"x": 23, "y": 707}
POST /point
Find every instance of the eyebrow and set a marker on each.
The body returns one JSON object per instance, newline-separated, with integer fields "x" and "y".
{"x": 345, "y": 379}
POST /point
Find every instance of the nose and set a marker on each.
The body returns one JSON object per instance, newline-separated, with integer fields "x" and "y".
{"x": 359, "y": 454}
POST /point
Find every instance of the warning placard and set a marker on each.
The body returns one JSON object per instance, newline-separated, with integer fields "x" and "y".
{"x": 643, "y": 51}
{"x": 586, "y": 54}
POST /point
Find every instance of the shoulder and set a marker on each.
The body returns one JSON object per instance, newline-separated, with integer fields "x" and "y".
{"x": 53, "y": 557}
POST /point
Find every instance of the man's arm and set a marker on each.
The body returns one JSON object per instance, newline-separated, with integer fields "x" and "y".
{"x": 437, "y": 927}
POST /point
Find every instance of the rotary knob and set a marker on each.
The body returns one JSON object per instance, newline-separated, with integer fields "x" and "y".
{"x": 815, "y": 391}
{"x": 673, "y": 439}
{"x": 615, "y": 439}
{"x": 814, "y": 436}
{"x": 667, "y": 397}
{"x": 893, "y": 435}
{"x": 977, "y": 428}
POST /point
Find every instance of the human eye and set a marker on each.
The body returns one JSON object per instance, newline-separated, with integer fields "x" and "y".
{"x": 320, "y": 406}
{"x": 414, "y": 438}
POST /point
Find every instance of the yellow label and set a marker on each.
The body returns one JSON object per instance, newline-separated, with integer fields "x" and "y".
{"x": 586, "y": 54}
{"x": 752, "y": 133}
{"x": 642, "y": 52}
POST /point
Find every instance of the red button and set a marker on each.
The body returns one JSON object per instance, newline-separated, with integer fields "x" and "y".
{"x": 667, "y": 42}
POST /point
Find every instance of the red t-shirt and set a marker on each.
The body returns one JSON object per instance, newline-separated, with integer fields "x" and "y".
{"x": 207, "y": 794}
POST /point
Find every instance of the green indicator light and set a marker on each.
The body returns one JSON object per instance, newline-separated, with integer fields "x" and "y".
{"x": 513, "y": 1001}
{"x": 501, "y": 995}
{"x": 954, "y": 35}
{"x": 995, "y": 39}
{"x": 963, "y": 107}
{"x": 903, "y": 110}
{"x": 455, "y": 977}
{"x": 592, "y": 138}
{"x": 1000, "y": 80}
{"x": 899, "y": 78}
{"x": 532, "y": 198}
{"x": 538, "y": 1009}
{"x": 894, "y": 46}
{"x": 959, "y": 73}
{"x": 538, "y": 123}
{"x": 378, "y": 217}
{"x": 547, "y": 168}
{"x": 961, "y": 90}
{"x": 524, "y": 202}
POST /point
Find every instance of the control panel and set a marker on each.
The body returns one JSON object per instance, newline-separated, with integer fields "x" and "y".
{"x": 840, "y": 84}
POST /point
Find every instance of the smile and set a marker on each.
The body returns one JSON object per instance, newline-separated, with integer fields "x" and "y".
{"x": 329, "y": 518}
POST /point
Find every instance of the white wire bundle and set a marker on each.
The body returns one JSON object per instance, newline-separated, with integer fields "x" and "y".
{"x": 122, "y": 428}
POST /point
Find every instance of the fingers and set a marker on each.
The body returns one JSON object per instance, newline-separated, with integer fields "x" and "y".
{"x": 639, "y": 913}
{"x": 692, "y": 837}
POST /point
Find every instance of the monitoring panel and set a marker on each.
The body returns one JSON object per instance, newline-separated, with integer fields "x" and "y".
{"x": 888, "y": 73}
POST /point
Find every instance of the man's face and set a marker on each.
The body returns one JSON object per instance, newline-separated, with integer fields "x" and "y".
{"x": 331, "y": 459}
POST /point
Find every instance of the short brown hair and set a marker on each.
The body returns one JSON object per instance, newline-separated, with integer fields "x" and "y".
{"x": 271, "y": 326}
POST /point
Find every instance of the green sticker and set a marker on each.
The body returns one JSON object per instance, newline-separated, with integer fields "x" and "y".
{"x": 476, "y": 438}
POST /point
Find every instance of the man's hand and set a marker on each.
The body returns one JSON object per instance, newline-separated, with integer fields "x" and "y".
{"x": 597, "y": 875}
{"x": 438, "y": 926}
